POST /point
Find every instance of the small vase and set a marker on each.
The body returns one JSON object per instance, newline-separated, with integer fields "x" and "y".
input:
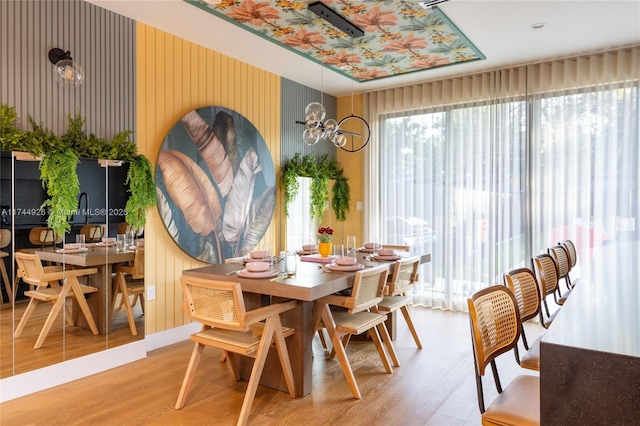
{"x": 324, "y": 249}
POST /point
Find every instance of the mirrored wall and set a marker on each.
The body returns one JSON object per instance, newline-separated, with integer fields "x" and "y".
{"x": 100, "y": 216}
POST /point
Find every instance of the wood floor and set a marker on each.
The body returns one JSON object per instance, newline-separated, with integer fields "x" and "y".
{"x": 433, "y": 386}
{"x": 62, "y": 343}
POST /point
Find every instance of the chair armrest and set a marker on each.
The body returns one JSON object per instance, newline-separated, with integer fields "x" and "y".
{"x": 259, "y": 314}
{"x": 336, "y": 300}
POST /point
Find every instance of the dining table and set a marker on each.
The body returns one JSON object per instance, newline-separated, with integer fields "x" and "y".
{"x": 590, "y": 355}
{"x": 311, "y": 281}
{"x": 99, "y": 256}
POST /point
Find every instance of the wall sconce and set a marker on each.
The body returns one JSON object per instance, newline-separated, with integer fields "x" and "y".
{"x": 67, "y": 72}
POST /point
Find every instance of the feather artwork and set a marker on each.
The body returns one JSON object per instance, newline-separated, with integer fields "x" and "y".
{"x": 240, "y": 196}
{"x": 258, "y": 221}
{"x": 211, "y": 149}
{"x": 191, "y": 190}
{"x": 167, "y": 217}
{"x": 224, "y": 128}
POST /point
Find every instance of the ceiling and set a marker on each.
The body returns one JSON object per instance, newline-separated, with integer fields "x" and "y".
{"x": 498, "y": 31}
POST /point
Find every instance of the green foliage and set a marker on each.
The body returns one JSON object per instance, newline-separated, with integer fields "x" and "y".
{"x": 60, "y": 157}
{"x": 142, "y": 189}
{"x": 59, "y": 178}
{"x": 320, "y": 171}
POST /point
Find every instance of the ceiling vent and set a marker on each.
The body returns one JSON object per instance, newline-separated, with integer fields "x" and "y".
{"x": 335, "y": 19}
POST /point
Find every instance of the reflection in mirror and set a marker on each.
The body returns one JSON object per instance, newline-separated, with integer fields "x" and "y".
{"x": 103, "y": 195}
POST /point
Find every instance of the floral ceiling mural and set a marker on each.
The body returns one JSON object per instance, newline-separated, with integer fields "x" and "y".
{"x": 399, "y": 36}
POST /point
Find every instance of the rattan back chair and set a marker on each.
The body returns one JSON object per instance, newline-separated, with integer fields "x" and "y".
{"x": 563, "y": 267}
{"x": 573, "y": 258}
{"x": 524, "y": 286}
{"x": 227, "y": 325}
{"x": 547, "y": 275}
{"x": 129, "y": 281}
{"x": 356, "y": 314}
{"x": 403, "y": 278}
{"x": 495, "y": 329}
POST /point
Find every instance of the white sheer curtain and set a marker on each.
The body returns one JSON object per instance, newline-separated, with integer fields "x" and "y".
{"x": 484, "y": 171}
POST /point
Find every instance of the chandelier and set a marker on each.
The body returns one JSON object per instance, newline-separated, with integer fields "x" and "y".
{"x": 316, "y": 127}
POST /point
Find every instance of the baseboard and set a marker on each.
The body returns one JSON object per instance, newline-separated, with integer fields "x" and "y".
{"x": 68, "y": 371}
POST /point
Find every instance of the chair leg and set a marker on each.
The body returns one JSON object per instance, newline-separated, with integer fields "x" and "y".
{"x": 57, "y": 307}
{"x": 322, "y": 339}
{"x": 412, "y": 328}
{"x": 256, "y": 371}
{"x": 188, "y": 376}
{"x": 380, "y": 332}
{"x": 7, "y": 283}
{"x": 82, "y": 303}
{"x": 25, "y": 317}
{"x": 330, "y": 325}
{"x": 283, "y": 354}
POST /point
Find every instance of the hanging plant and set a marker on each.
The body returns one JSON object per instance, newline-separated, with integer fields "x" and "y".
{"x": 61, "y": 156}
{"x": 320, "y": 172}
{"x": 142, "y": 189}
{"x": 59, "y": 178}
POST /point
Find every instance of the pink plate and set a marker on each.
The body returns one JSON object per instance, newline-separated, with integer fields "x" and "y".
{"x": 386, "y": 258}
{"x": 69, "y": 251}
{"x": 345, "y": 268}
{"x": 266, "y": 274}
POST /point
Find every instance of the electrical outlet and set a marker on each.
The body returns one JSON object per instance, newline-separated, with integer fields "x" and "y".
{"x": 359, "y": 206}
{"x": 151, "y": 292}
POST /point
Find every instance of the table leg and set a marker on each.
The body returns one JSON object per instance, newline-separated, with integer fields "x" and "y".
{"x": 100, "y": 302}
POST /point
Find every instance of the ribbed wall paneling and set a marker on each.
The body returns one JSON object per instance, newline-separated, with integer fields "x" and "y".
{"x": 102, "y": 42}
{"x": 295, "y": 98}
{"x": 174, "y": 77}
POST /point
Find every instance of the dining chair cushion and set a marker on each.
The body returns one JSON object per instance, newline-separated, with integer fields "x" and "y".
{"x": 518, "y": 404}
{"x": 531, "y": 358}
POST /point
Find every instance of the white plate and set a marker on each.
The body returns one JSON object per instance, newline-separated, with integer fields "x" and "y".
{"x": 75, "y": 250}
{"x": 345, "y": 268}
{"x": 386, "y": 258}
{"x": 266, "y": 274}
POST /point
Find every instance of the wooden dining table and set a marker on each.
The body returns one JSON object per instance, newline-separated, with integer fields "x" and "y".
{"x": 309, "y": 283}
{"x": 96, "y": 256}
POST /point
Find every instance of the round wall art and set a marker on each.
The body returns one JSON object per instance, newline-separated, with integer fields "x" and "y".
{"x": 215, "y": 182}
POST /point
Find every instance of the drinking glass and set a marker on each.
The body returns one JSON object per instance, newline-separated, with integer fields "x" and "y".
{"x": 80, "y": 239}
{"x": 121, "y": 242}
{"x": 290, "y": 262}
{"x": 131, "y": 237}
{"x": 351, "y": 245}
{"x": 338, "y": 250}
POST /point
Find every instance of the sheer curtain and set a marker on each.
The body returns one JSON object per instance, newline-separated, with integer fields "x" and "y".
{"x": 485, "y": 170}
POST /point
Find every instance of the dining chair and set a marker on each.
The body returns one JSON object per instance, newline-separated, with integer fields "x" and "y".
{"x": 395, "y": 247}
{"x": 226, "y": 325}
{"x": 93, "y": 232}
{"x": 344, "y": 316}
{"x": 403, "y": 278}
{"x": 524, "y": 286}
{"x": 129, "y": 281}
{"x": 573, "y": 258}
{"x": 42, "y": 236}
{"x": 495, "y": 329}
{"x": 563, "y": 267}
{"x": 547, "y": 275}
{"x": 5, "y": 240}
{"x": 46, "y": 280}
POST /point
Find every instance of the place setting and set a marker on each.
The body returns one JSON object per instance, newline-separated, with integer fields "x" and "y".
{"x": 385, "y": 255}
{"x": 77, "y": 247}
{"x": 344, "y": 263}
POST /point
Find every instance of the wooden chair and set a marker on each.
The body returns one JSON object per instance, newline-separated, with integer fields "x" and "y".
{"x": 219, "y": 306}
{"x": 42, "y": 236}
{"x": 563, "y": 267}
{"x": 495, "y": 329}
{"x": 405, "y": 274}
{"x": 522, "y": 283}
{"x": 129, "y": 281}
{"x": 47, "y": 288}
{"x": 5, "y": 240}
{"x": 93, "y": 233}
{"x": 352, "y": 315}
{"x": 547, "y": 275}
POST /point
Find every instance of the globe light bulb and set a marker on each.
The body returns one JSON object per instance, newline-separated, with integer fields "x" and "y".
{"x": 311, "y": 136}
{"x": 317, "y": 109}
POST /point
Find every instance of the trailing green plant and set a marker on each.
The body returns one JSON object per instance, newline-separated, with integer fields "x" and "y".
{"x": 320, "y": 171}
{"x": 59, "y": 178}
{"x": 61, "y": 155}
{"x": 142, "y": 189}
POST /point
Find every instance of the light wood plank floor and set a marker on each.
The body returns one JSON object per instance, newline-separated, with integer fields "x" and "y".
{"x": 433, "y": 386}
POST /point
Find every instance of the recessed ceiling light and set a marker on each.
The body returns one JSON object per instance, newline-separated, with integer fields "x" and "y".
{"x": 537, "y": 25}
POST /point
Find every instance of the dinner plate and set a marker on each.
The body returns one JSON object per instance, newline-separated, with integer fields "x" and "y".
{"x": 265, "y": 259}
{"x": 365, "y": 250}
{"x": 385, "y": 258}
{"x": 305, "y": 252}
{"x": 345, "y": 268}
{"x": 266, "y": 274}
{"x": 75, "y": 250}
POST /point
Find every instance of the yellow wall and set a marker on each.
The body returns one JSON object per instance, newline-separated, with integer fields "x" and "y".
{"x": 352, "y": 163}
{"x": 174, "y": 77}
